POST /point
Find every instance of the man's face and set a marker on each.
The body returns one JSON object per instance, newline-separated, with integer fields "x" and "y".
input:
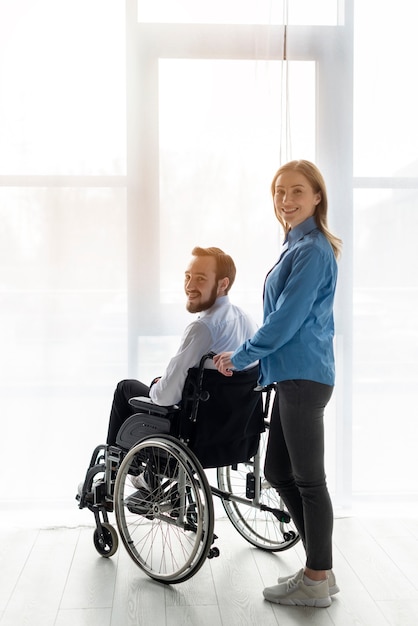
{"x": 200, "y": 284}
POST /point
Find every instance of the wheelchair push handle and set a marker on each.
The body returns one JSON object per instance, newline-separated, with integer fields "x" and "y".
{"x": 258, "y": 388}
{"x": 204, "y": 395}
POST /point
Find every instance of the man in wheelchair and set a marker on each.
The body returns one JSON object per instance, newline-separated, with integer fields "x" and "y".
{"x": 162, "y": 438}
{"x": 219, "y": 327}
{"x": 207, "y": 281}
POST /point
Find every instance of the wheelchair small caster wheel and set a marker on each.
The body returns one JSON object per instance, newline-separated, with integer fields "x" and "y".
{"x": 289, "y": 536}
{"x": 213, "y": 553}
{"x": 107, "y": 544}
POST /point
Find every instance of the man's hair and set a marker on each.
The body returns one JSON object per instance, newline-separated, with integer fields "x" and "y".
{"x": 225, "y": 266}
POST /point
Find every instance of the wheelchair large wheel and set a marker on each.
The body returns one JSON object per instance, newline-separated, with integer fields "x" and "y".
{"x": 168, "y": 530}
{"x": 262, "y": 528}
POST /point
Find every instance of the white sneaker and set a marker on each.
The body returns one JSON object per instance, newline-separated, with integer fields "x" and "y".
{"x": 294, "y": 592}
{"x": 95, "y": 483}
{"x": 332, "y": 583}
{"x": 139, "y": 482}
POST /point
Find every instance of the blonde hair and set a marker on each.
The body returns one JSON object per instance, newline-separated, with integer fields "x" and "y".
{"x": 316, "y": 180}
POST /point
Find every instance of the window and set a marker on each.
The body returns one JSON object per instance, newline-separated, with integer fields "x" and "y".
{"x": 240, "y": 12}
{"x": 114, "y": 165}
{"x": 219, "y": 144}
{"x": 214, "y": 109}
{"x": 63, "y": 267}
{"x": 384, "y": 282}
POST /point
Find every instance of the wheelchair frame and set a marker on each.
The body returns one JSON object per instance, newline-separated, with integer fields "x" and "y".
{"x": 169, "y": 530}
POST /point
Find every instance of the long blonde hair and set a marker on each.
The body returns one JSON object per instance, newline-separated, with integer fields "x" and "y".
{"x": 316, "y": 180}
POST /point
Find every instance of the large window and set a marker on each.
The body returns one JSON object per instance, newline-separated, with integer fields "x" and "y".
{"x": 132, "y": 131}
{"x": 214, "y": 109}
{"x": 385, "y": 282}
{"x": 63, "y": 234}
{"x": 215, "y": 165}
{"x": 241, "y": 12}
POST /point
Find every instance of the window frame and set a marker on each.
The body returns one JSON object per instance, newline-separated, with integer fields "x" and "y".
{"x": 331, "y": 47}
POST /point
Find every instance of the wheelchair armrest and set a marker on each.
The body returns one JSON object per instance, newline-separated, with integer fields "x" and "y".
{"x": 146, "y": 405}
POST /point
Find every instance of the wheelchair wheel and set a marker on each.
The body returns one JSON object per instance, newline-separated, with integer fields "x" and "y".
{"x": 262, "y": 528}
{"x": 168, "y": 530}
{"x": 106, "y": 545}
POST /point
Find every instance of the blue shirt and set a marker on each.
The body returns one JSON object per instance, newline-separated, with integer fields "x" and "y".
{"x": 296, "y": 338}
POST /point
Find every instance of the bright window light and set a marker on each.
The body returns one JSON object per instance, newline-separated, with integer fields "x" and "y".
{"x": 302, "y": 12}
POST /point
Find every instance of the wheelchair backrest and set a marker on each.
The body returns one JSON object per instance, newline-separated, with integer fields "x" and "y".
{"x": 221, "y": 417}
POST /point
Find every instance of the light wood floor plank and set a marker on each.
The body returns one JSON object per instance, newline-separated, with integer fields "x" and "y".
{"x": 400, "y": 613}
{"x": 238, "y": 582}
{"x": 91, "y": 579}
{"x": 197, "y": 591}
{"x": 353, "y": 606}
{"x": 194, "y": 616}
{"x": 138, "y": 599}
{"x": 371, "y": 563}
{"x": 84, "y": 617}
{"x": 37, "y": 595}
{"x": 55, "y": 577}
{"x": 15, "y": 547}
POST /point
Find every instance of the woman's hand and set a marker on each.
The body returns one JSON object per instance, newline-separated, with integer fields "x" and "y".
{"x": 223, "y": 363}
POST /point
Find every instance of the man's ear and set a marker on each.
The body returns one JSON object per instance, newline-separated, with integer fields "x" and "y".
{"x": 223, "y": 285}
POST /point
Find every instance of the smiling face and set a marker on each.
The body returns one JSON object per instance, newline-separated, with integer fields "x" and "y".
{"x": 201, "y": 284}
{"x": 294, "y": 198}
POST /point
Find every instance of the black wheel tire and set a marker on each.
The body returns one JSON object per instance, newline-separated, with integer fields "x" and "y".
{"x": 111, "y": 540}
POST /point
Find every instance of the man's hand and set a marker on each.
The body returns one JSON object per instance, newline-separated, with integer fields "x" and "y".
{"x": 223, "y": 363}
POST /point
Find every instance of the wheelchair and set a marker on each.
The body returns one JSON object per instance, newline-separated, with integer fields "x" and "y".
{"x": 168, "y": 527}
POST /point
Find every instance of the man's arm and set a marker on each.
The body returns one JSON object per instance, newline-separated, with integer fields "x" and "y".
{"x": 196, "y": 342}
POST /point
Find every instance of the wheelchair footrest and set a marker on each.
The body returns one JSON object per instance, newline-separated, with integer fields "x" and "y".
{"x": 282, "y": 516}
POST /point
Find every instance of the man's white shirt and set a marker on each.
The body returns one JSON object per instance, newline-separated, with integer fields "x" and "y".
{"x": 222, "y": 328}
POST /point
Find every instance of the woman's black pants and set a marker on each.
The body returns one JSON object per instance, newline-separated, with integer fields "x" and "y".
{"x": 295, "y": 464}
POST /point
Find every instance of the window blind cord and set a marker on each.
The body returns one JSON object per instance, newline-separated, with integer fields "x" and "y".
{"x": 285, "y": 131}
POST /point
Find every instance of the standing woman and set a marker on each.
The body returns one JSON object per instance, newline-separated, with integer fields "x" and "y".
{"x": 295, "y": 349}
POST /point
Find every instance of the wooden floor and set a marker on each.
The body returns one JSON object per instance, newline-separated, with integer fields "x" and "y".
{"x": 54, "y": 577}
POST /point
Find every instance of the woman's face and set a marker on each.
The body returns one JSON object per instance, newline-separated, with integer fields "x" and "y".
{"x": 294, "y": 198}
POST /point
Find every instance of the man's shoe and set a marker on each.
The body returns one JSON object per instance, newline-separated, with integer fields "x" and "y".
{"x": 332, "y": 583}
{"x": 294, "y": 592}
{"x": 139, "y": 482}
{"x": 88, "y": 497}
{"x": 140, "y": 502}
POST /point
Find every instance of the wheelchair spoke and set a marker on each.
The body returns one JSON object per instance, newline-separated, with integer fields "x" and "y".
{"x": 168, "y": 530}
{"x": 250, "y": 493}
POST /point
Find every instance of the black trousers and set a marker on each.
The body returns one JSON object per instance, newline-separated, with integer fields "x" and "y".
{"x": 295, "y": 464}
{"x": 121, "y": 409}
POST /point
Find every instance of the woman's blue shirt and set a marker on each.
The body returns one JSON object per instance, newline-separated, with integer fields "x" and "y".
{"x": 296, "y": 338}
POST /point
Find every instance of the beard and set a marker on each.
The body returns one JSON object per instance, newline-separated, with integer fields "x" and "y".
{"x": 203, "y": 305}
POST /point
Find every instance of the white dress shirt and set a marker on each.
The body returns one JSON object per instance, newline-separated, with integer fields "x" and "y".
{"x": 222, "y": 328}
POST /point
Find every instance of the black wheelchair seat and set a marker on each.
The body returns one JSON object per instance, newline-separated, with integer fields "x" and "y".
{"x": 220, "y": 418}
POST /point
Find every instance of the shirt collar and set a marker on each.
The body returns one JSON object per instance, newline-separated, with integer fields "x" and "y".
{"x": 297, "y": 233}
{"x": 219, "y": 302}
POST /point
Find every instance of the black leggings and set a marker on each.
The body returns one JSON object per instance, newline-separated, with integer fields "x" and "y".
{"x": 295, "y": 464}
{"x": 121, "y": 409}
